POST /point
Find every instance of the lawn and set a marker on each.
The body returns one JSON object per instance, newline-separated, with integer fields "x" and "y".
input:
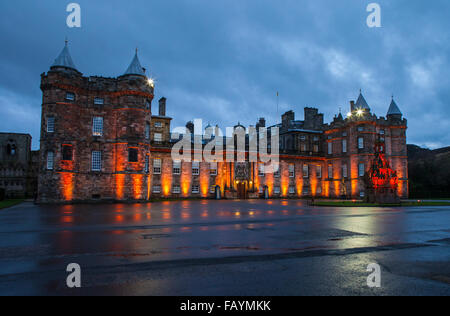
{"x": 363, "y": 204}
{"x": 9, "y": 203}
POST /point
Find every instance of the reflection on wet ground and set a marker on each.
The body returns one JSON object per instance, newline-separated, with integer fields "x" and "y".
{"x": 44, "y": 238}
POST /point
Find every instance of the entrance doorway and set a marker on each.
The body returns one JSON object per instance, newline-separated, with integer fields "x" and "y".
{"x": 242, "y": 190}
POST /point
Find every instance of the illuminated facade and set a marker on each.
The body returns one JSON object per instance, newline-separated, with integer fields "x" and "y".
{"x": 101, "y": 141}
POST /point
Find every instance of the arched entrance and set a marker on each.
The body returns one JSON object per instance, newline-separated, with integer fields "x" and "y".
{"x": 242, "y": 188}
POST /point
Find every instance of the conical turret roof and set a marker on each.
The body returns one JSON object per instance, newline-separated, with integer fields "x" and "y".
{"x": 135, "y": 67}
{"x": 361, "y": 102}
{"x": 394, "y": 109}
{"x": 64, "y": 59}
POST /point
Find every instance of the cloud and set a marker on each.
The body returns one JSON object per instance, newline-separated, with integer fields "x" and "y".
{"x": 224, "y": 61}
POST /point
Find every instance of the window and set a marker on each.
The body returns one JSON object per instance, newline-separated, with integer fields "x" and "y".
{"x": 303, "y": 147}
{"x": 361, "y": 170}
{"x": 360, "y": 143}
{"x": 147, "y": 105}
{"x": 99, "y": 101}
{"x": 319, "y": 190}
{"x": 158, "y": 124}
{"x": 344, "y": 145}
{"x": 213, "y": 169}
{"x": 132, "y": 155}
{"x": 67, "y": 152}
{"x": 157, "y": 189}
{"x": 176, "y": 167}
{"x": 305, "y": 191}
{"x": 344, "y": 134}
{"x": 305, "y": 171}
{"x": 96, "y": 161}
{"x": 316, "y": 148}
{"x": 330, "y": 171}
{"x": 302, "y": 138}
{"x": 157, "y": 166}
{"x": 330, "y": 148}
{"x": 147, "y": 131}
{"x": 50, "y": 160}
{"x": 291, "y": 190}
{"x": 277, "y": 169}
{"x": 97, "y": 126}
{"x": 70, "y": 96}
{"x": 195, "y": 189}
{"x": 319, "y": 171}
{"x": 261, "y": 172}
{"x": 176, "y": 189}
{"x": 382, "y": 132}
{"x": 212, "y": 189}
{"x": 344, "y": 171}
{"x": 50, "y": 124}
{"x": 276, "y": 190}
{"x": 147, "y": 164}
{"x": 316, "y": 138}
{"x": 158, "y": 137}
{"x": 291, "y": 171}
{"x": 195, "y": 168}
{"x": 362, "y": 194}
{"x": 360, "y": 128}
{"x": 261, "y": 190}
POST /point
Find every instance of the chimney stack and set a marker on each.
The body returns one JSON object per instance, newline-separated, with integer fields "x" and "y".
{"x": 162, "y": 106}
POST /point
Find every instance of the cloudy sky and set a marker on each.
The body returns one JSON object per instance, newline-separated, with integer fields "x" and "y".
{"x": 224, "y": 60}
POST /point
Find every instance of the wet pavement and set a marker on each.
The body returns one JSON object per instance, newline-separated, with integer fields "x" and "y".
{"x": 256, "y": 247}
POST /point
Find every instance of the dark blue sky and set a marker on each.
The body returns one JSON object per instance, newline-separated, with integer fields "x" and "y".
{"x": 224, "y": 60}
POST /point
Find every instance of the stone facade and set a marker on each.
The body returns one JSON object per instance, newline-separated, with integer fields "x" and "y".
{"x": 133, "y": 149}
{"x": 18, "y": 166}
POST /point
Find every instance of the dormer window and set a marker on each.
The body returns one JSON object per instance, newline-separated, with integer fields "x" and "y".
{"x": 99, "y": 101}
{"x": 70, "y": 96}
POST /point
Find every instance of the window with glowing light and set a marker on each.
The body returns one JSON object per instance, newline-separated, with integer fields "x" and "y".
{"x": 50, "y": 124}
{"x": 305, "y": 171}
{"x": 176, "y": 167}
{"x": 97, "y": 126}
{"x": 50, "y": 160}
{"x": 96, "y": 161}
{"x": 213, "y": 168}
{"x": 195, "y": 168}
{"x": 157, "y": 166}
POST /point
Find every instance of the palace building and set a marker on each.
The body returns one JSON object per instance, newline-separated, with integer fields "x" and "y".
{"x": 101, "y": 141}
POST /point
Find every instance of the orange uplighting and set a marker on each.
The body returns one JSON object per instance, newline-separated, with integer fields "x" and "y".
{"x": 67, "y": 185}
{"x": 299, "y": 186}
{"x": 204, "y": 182}
{"x": 166, "y": 182}
{"x": 326, "y": 189}
{"x": 120, "y": 185}
{"x": 137, "y": 186}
